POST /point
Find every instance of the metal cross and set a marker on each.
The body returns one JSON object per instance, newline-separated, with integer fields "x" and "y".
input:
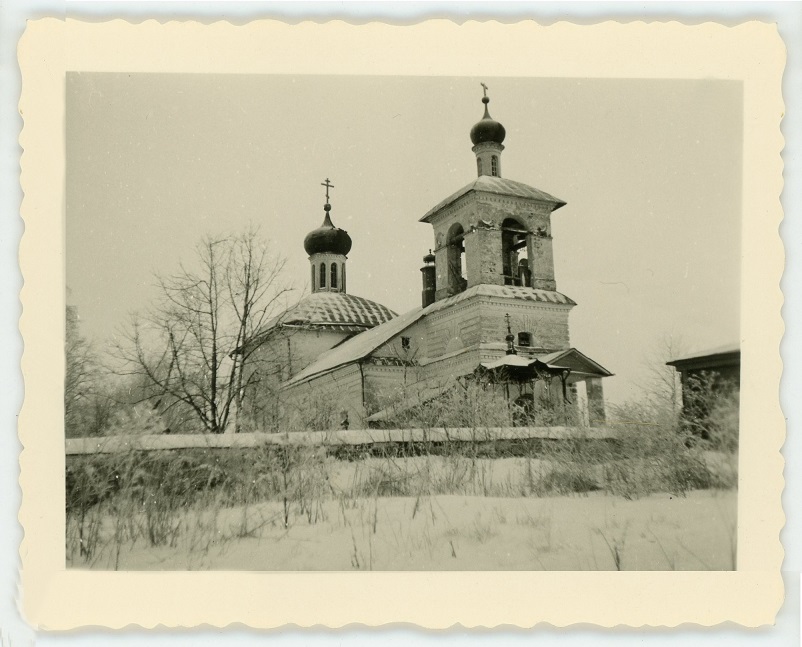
{"x": 484, "y": 88}
{"x": 328, "y": 186}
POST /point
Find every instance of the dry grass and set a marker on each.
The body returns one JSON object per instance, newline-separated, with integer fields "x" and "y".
{"x": 205, "y": 499}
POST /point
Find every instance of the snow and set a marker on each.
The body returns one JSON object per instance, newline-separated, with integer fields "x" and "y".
{"x": 597, "y": 531}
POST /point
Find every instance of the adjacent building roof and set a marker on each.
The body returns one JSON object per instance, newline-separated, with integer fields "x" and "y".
{"x": 498, "y": 186}
{"x": 362, "y": 345}
{"x": 728, "y": 354}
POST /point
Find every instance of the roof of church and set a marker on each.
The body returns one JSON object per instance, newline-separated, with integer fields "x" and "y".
{"x": 365, "y": 343}
{"x": 498, "y": 186}
{"x": 333, "y": 311}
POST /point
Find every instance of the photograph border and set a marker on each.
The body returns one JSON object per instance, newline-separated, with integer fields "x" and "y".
{"x": 58, "y": 599}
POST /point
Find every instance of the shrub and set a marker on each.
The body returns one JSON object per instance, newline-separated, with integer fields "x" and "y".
{"x": 567, "y": 478}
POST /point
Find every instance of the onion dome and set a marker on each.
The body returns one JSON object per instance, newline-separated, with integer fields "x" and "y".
{"x": 327, "y": 239}
{"x": 487, "y": 129}
{"x": 429, "y": 258}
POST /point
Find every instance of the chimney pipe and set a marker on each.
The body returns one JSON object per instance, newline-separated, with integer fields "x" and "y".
{"x": 429, "y": 280}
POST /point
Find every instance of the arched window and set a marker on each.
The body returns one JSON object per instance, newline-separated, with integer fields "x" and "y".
{"x": 313, "y": 278}
{"x": 513, "y": 251}
{"x": 457, "y": 270}
{"x": 479, "y": 165}
{"x": 494, "y": 165}
{"x": 333, "y": 275}
{"x": 322, "y": 275}
{"x": 342, "y": 279}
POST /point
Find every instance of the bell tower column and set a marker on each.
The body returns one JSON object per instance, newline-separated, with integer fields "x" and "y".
{"x": 540, "y": 250}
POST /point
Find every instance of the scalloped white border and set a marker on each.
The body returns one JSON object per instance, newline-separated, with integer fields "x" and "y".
{"x": 54, "y": 598}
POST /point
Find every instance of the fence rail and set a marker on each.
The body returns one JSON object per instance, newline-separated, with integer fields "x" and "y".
{"x": 351, "y": 437}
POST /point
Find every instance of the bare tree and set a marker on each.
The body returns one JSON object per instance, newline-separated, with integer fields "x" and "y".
{"x": 194, "y": 348}
{"x": 79, "y": 378}
{"x": 662, "y": 381}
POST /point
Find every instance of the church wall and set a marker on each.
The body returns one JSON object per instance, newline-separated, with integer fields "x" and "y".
{"x": 452, "y": 329}
{"x": 307, "y": 345}
{"x": 547, "y": 323}
{"x": 387, "y": 385}
{"x": 394, "y": 348}
{"x": 288, "y": 351}
{"x": 483, "y": 321}
{"x": 443, "y": 370}
{"x": 338, "y": 392}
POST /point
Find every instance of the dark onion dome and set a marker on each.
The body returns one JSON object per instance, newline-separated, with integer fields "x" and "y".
{"x": 429, "y": 258}
{"x": 327, "y": 239}
{"x": 488, "y": 129}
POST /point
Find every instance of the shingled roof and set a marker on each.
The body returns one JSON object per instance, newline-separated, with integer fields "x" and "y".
{"x": 334, "y": 311}
{"x": 497, "y": 186}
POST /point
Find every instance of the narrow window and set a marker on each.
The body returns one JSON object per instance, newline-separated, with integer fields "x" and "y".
{"x": 479, "y": 165}
{"x": 525, "y": 339}
{"x": 313, "y": 278}
{"x": 334, "y": 276}
{"x": 494, "y": 166}
{"x": 322, "y": 275}
{"x": 342, "y": 279}
{"x": 405, "y": 343}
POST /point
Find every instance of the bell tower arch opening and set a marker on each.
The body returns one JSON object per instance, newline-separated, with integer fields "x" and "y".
{"x": 515, "y": 260}
{"x": 457, "y": 266}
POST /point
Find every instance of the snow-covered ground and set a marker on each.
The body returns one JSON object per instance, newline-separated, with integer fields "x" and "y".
{"x": 597, "y": 531}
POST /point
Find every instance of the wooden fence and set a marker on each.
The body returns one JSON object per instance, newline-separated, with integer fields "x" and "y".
{"x": 344, "y": 438}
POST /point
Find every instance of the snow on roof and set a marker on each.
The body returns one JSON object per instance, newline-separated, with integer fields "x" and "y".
{"x": 577, "y": 356}
{"x": 572, "y": 354}
{"x": 509, "y": 360}
{"x": 724, "y": 349}
{"x": 499, "y": 186}
{"x": 358, "y": 347}
{"x": 365, "y": 343}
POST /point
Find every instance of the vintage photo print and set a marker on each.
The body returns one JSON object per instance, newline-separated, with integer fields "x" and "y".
{"x": 317, "y": 316}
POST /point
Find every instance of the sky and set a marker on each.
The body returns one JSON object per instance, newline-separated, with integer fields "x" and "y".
{"x": 648, "y": 244}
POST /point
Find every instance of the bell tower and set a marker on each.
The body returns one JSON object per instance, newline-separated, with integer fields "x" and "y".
{"x": 494, "y": 231}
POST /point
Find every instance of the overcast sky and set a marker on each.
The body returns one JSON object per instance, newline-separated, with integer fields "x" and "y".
{"x": 648, "y": 244}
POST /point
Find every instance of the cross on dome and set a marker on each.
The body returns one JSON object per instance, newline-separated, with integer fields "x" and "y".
{"x": 328, "y": 186}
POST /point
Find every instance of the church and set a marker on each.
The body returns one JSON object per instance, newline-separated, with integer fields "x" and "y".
{"x": 490, "y": 311}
